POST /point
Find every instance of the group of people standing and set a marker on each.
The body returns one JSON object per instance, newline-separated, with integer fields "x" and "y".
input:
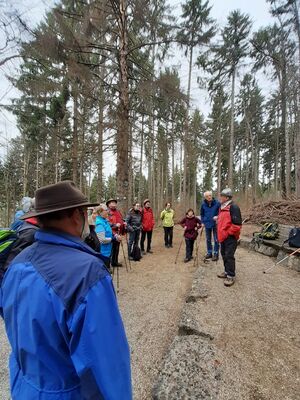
{"x": 221, "y": 221}
{"x": 110, "y": 228}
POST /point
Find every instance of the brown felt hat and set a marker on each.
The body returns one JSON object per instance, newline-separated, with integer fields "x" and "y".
{"x": 110, "y": 201}
{"x": 58, "y": 197}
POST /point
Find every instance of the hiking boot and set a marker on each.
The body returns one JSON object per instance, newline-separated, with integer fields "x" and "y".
{"x": 229, "y": 281}
{"x": 170, "y": 245}
{"x": 143, "y": 252}
{"x": 167, "y": 246}
{"x": 150, "y": 251}
{"x": 215, "y": 257}
{"x": 208, "y": 256}
{"x": 222, "y": 275}
{"x": 186, "y": 260}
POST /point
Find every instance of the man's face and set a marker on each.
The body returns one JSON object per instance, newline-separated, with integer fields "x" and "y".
{"x": 81, "y": 221}
{"x": 136, "y": 206}
{"x": 208, "y": 197}
{"x": 168, "y": 206}
{"x": 223, "y": 199}
{"x": 112, "y": 205}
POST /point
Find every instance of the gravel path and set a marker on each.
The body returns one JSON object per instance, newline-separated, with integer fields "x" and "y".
{"x": 4, "y": 351}
{"x": 255, "y": 325}
{"x": 151, "y": 297}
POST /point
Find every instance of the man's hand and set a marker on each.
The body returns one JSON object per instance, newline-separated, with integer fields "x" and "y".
{"x": 118, "y": 238}
{"x": 118, "y": 224}
{"x": 215, "y": 219}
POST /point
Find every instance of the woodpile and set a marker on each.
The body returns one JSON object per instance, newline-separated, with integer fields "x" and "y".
{"x": 284, "y": 212}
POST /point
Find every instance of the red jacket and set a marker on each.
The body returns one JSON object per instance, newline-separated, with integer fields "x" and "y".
{"x": 192, "y": 225}
{"x": 229, "y": 222}
{"x": 147, "y": 219}
{"x": 114, "y": 218}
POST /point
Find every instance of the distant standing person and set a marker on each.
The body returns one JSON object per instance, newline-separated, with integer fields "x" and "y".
{"x": 117, "y": 225}
{"x": 190, "y": 224}
{"x": 147, "y": 226}
{"x": 167, "y": 217}
{"x": 229, "y": 228}
{"x": 134, "y": 225}
{"x": 105, "y": 233}
{"x": 210, "y": 209}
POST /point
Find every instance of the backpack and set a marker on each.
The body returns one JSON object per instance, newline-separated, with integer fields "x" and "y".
{"x": 269, "y": 231}
{"x": 136, "y": 253}
{"x": 294, "y": 238}
{"x": 7, "y": 240}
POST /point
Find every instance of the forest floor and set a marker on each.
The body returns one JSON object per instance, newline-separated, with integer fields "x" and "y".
{"x": 255, "y": 324}
{"x": 255, "y": 327}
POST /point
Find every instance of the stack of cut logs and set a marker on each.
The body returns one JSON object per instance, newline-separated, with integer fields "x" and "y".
{"x": 284, "y": 212}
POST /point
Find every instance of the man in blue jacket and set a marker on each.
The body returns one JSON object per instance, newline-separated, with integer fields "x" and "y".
{"x": 209, "y": 210}
{"x": 60, "y": 310}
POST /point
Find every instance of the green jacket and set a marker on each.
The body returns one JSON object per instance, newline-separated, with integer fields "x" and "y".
{"x": 167, "y": 217}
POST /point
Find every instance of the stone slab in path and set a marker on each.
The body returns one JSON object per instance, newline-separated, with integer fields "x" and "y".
{"x": 190, "y": 371}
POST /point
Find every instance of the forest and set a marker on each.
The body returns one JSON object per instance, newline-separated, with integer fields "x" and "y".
{"x": 95, "y": 80}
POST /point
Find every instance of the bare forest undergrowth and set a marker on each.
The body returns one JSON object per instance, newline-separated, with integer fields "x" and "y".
{"x": 255, "y": 324}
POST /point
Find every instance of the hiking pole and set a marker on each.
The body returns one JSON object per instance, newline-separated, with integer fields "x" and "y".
{"x": 196, "y": 257}
{"x": 196, "y": 260}
{"x": 118, "y": 279}
{"x": 179, "y": 250}
{"x": 123, "y": 251}
{"x": 279, "y": 262}
{"x": 128, "y": 255}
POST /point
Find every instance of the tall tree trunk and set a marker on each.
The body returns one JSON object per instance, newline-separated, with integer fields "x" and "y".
{"x": 186, "y": 187}
{"x": 37, "y": 167}
{"x": 219, "y": 157}
{"x": 100, "y": 132}
{"x": 297, "y": 138}
{"x": 123, "y": 110}
{"x": 141, "y": 159}
{"x": 75, "y": 135}
{"x": 231, "y": 143}
{"x": 285, "y": 132}
{"x": 131, "y": 190}
{"x": 180, "y": 173}
{"x": 247, "y": 169}
{"x": 173, "y": 168}
{"x": 253, "y": 166}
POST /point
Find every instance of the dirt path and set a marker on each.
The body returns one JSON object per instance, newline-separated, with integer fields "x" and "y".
{"x": 151, "y": 298}
{"x": 255, "y": 325}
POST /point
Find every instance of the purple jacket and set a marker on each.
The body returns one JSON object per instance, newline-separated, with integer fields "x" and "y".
{"x": 191, "y": 224}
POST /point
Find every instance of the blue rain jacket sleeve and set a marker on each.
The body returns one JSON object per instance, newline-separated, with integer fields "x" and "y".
{"x": 208, "y": 212}
{"x": 98, "y": 345}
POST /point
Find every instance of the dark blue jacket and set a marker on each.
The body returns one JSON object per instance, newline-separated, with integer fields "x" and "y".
{"x": 208, "y": 211}
{"x": 63, "y": 323}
